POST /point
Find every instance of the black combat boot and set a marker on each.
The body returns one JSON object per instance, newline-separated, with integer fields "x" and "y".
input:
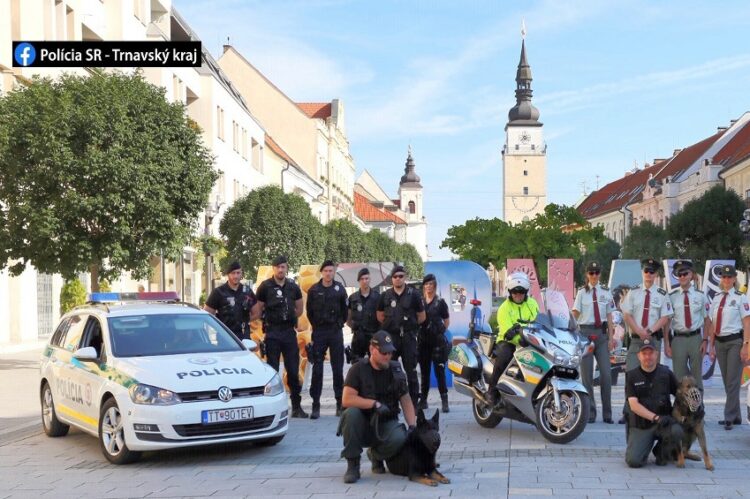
{"x": 444, "y": 399}
{"x": 352, "y": 470}
{"x": 298, "y": 412}
{"x": 422, "y": 402}
{"x": 339, "y": 409}
{"x": 315, "y": 410}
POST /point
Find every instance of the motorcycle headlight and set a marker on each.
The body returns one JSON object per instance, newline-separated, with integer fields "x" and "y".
{"x": 152, "y": 395}
{"x": 274, "y": 387}
{"x": 563, "y": 358}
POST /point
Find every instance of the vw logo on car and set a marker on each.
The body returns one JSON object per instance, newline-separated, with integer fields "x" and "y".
{"x": 225, "y": 394}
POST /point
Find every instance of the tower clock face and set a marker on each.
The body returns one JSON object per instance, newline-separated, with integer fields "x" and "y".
{"x": 525, "y": 137}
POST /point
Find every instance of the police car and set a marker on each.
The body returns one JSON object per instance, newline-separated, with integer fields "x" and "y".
{"x": 143, "y": 372}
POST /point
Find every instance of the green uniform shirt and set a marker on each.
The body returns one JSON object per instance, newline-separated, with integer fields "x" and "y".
{"x": 510, "y": 313}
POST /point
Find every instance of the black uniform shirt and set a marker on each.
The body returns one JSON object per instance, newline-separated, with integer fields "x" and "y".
{"x": 269, "y": 293}
{"x": 652, "y": 389}
{"x": 383, "y": 380}
{"x": 363, "y": 310}
{"x": 232, "y": 306}
{"x": 401, "y": 306}
{"x": 327, "y": 305}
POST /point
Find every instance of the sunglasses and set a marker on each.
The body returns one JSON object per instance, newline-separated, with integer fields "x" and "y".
{"x": 645, "y": 271}
{"x": 594, "y": 272}
{"x": 398, "y": 276}
{"x": 517, "y": 292}
{"x": 683, "y": 274}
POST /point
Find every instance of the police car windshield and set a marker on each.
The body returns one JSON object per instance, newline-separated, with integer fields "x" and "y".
{"x": 169, "y": 334}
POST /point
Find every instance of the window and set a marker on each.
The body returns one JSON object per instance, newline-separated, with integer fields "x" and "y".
{"x": 257, "y": 155}
{"x": 525, "y": 191}
{"x": 244, "y": 144}
{"x": 219, "y": 122}
{"x": 59, "y": 335}
{"x": 235, "y": 139}
{"x": 526, "y": 173}
{"x": 412, "y": 207}
{"x": 74, "y": 333}
{"x": 92, "y": 336}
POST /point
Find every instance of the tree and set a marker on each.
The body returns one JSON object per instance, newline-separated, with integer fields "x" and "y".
{"x": 646, "y": 240}
{"x": 558, "y": 232}
{"x": 97, "y": 174}
{"x": 72, "y": 294}
{"x": 345, "y": 242}
{"x": 708, "y": 227}
{"x": 267, "y": 222}
{"x": 603, "y": 252}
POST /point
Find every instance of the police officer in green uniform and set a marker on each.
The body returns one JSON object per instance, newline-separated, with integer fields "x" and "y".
{"x": 279, "y": 304}
{"x": 232, "y": 302}
{"x": 373, "y": 390}
{"x": 593, "y": 309}
{"x": 646, "y": 310}
{"x": 687, "y": 343}
{"x": 327, "y": 305}
{"x": 363, "y": 319}
{"x": 400, "y": 312}
{"x": 730, "y": 322}
{"x": 647, "y": 389}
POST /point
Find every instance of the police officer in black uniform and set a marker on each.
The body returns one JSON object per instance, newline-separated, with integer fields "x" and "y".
{"x": 327, "y": 305}
{"x": 400, "y": 312}
{"x": 432, "y": 343}
{"x": 374, "y": 388}
{"x": 232, "y": 302}
{"x": 647, "y": 389}
{"x": 280, "y": 303}
{"x": 362, "y": 318}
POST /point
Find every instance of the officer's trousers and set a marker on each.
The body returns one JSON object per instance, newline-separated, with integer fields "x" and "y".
{"x": 640, "y": 444}
{"x": 730, "y": 363}
{"x": 361, "y": 343}
{"x": 284, "y": 343}
{"x": 631, "y": 359}
{"x": 601, "y": 353}
{"x": 406, "y": 350}
{"x": 687, "y": 358}
{"x": 426, "y": 361}
{"x": 323, "y": 339}
{"x": 359, "y": 431}
{"x": 503, "y": 352}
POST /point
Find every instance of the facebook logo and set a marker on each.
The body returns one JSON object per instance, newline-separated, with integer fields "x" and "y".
{"x": 25, "y": 54}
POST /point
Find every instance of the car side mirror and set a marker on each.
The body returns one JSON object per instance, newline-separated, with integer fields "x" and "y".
{"x": 250, "y": 345}
{"x": 86, "y": 353}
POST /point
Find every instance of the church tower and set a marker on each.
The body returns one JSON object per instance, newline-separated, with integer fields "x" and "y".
{"x": 410, "y": 200}
{"x": 524, "y": 153}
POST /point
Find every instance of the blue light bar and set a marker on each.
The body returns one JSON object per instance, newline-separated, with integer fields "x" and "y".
{"x": 164, "y": 296}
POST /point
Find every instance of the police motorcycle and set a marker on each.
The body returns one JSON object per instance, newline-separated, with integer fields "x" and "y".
{"x": 540, "y": 386}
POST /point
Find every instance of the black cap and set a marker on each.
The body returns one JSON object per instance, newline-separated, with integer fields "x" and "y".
{"x": 680, "y": 265}
{"x": 364, "y": 271}
{"x": 235, "y": 265}
{"x": 327, "y": 263}
{"x": 593, "y": 267}
{"x": 383, "y": 342}
{"x": 646, "y": 345}
{"x": 728, "y": 271}
{"x": 279, "y": 260}
{"x": 428, "y": 278}
{"x": 397, "y": 268}
{"x": 650, "y": 264}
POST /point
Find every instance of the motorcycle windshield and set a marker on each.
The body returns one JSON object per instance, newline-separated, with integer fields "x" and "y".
{"x": 557, "y": 313}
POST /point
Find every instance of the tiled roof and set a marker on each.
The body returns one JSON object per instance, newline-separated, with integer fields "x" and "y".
{"x": 320, "y": 110}
{"x": 365, "y": 210}
{"x": 736, "y": 149}
{"x": 279, "y": 151}
{"x": 687, "y": 157}
{"x": 615, "y": 195}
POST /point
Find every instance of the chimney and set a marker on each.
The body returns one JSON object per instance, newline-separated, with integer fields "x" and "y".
{"x": 676, "y": 152}
{"x": 658, "y": 160}
{"x": 721, "y": 128}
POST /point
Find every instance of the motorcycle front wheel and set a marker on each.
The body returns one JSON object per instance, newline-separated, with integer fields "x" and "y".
{"x": 563, "y": 426}
{"x": 484, "y": 414}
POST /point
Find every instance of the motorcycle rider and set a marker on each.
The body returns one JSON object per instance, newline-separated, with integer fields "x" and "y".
{"x": 519, "y": 307}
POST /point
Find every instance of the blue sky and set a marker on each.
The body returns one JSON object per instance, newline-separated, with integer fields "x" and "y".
{"x": 617, "y": 83}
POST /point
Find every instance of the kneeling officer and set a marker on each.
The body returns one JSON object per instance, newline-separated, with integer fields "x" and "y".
{"x": 373, "y": 390}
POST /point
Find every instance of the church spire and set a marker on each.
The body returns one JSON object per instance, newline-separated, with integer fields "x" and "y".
{"x": 523, "y": 113}
{"x": 410, "y": 177}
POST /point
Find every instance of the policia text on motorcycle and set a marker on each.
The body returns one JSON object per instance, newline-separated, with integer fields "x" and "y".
{"x": 362, "y": 317}
{"x": 280, "y": 303}
{"x": 434, "y": 346}
{"x": 400, "y": 312}
{"x": 232, "y": 302}
{"x": 373, "y": 390}
{"x": 518, "y": 308}
{"x": 327, "y": 305}
{"x": 647, "y": 390}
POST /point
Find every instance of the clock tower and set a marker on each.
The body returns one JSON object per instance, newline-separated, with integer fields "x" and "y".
{"x": 524, "y": 153}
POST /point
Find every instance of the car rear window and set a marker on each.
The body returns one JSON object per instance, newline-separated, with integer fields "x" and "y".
{"x": 169, "y": 334}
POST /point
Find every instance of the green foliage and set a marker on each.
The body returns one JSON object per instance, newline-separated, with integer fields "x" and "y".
{"x": 558, "y": 232}
{"x": 266, "y": 223}
{"x": 105, "y": 286}
{"x": 345, "y": 242}
{"x": 72, "y": 294}
{"x": 708, "y": 227}
{"x": 646, "y": 240}
{"x": 604, "y": 251}
{"x": 97, "y": 174}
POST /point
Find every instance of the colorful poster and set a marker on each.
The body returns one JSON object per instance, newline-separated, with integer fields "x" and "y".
{"x": 561, "y": 277}
{"x": 526, "y": 265}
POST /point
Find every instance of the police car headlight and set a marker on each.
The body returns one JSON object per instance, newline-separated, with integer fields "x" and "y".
{"x": 152, "y": 395}
{"x": 274, "y": 387}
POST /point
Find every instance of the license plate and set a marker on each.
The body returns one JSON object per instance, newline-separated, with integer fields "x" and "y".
{"x": 227, "y": 415}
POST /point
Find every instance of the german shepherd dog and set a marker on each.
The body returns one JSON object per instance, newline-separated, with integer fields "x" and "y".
{"x": 689, "y": 411}
{"x": 416, "y": 459}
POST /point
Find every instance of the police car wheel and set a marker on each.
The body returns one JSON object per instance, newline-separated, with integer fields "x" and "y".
{"x": 112, "y": 435}
{"x": 52, "y": 426}
{"x": 268, "y": 442}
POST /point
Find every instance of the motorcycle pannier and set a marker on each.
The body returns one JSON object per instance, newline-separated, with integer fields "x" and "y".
{"x": 464, "y": 362}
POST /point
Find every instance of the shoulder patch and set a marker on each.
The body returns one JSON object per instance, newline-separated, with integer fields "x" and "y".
{"x": 661, "y": 291}
{"x": 737, "y": 292}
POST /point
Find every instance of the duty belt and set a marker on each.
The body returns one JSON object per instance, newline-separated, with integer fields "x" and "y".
{"x": 687, "y": 334}
{"x": 729, "y": 337}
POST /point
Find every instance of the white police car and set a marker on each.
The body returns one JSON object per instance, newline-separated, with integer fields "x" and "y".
{"x": 147, "y": 375}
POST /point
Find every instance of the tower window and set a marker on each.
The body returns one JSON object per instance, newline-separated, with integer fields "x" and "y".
{"x": 526, "y": 173}
{"x": 412, "y": 207}
{"x": 533, "y": 147}
{"x": 516, "y": 147}
{"x": 525, "y": 191}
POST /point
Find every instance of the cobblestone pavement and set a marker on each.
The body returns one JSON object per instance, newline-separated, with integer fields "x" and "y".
{"x": 512, "y": 460}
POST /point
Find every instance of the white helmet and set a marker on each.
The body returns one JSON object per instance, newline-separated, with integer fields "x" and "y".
{"x": 518, "y": 280}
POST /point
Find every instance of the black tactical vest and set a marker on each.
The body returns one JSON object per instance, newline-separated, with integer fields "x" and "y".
{"x": 653, "y": 395}
{"x": 364, "y": 316}
{"x": 400, "y": 312}
{"x": 279, "y": 311}
{"x": 235, "y": 309}
{"x": 397, "y": 386}
{"x": 433, "y": 327}
{"x": 324, "y": 305}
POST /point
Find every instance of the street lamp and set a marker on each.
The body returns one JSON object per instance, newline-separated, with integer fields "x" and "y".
{"x": 211, "y": 211}
{"x": 745, "y": 224}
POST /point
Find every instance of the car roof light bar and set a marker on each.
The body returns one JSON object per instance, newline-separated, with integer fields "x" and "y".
{"x": 152, "y": 296}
